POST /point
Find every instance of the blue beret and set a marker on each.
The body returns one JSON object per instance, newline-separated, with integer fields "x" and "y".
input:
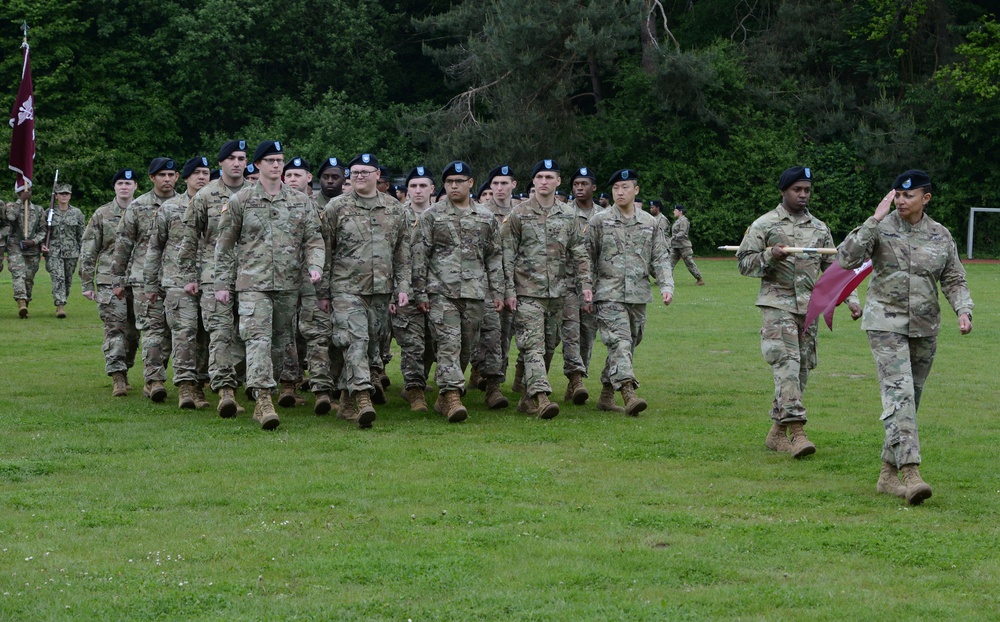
{"x": 912, "y": 178}
{"x": 545, "y": 165}
{"x": 229, "y": 147}
{"x": 794, "y": 174}
{"x": 266, "y": 148}
{"x": 193, "y": 163}
{"x": 161, "y": 164}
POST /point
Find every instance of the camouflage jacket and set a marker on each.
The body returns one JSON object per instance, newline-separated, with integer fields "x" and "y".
{"x": 582, "y": 225}
{"x": 99, "y": 246}
{"x": 663, "y": 224}
{"x": 788, "y": 283}
{"x": 67, "y": 233}
{"x": 161, "y": 265}
{"x": 369, "y": 246}
{"x": 624, "y": 252}
{"x": 308, "y": 288}
{"x": 908, "y": 261}
{"x": 201, "y": 232}
{"x": 679, "y": 233}
{"x": 36, "y": 228}
{"x": 457, "y": 253}
{"x": 498, "y": 210}
{"x": 132, "y": 237}
{"x": 4, "y": 224}
{"x": 267, "y": 243}
{"x": 538, "y": 245}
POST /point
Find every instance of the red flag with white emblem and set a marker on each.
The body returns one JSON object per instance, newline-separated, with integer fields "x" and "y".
{"x": 22, "y": 120}
{"x": 833, "y": 288}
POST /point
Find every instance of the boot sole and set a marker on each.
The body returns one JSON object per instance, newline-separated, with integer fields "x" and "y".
{"x": 501, "y": 403}
{"x": 23, "y": 313}
{"x": 919, "y": 496}
{"x": 549, "y": 411}
{"x": 227, "y": 410}
{"x": 580, "y": 398}
{"x": 322, "y": 408}
{"x": 286, "y": 401}
{"x": 808, "y": 450}
{"x": 187, "y": 405}
{"x": 366, "y": 419}
{"x": 458, "y": 416}
{"x": 158, "y": 395}
{"x": 899, "y": 492}
{"x": 419, "y": 408}
{"x": 270, "y": 423}
{"x": 637, "y": 408}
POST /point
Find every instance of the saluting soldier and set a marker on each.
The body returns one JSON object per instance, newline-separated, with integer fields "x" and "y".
{"x": 121, "y": 337}
{"x": 24, "y": 246}
{"x": 680, "y": 244}
{"x": 67, "y": 224}
{"x": 268, "y": 238}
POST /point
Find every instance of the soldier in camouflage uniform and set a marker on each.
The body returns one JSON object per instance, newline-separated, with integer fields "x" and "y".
{"x": 331, "y": 180}
{"x": 121, "y": 337}
{"x": 27, "y": 233}
{"x": 579, "y": 327}
{"x": 368, "y": 273}
{"x": 457, "y": 262}
{"x": 268, "y": 238}
{"x": 540, "y": 240}
{"x": 911, "y": 254}
{"x": 410, "y": 325}
{"x": 67, "y": 224}
{"x": 786, "y": 283}
{"x": 626, "y": 246}
{"x": 164, "y": 280}
{"x": 127, "y": 268}
{"x": 680, "y": 244}
{"x": 4, "y": 231}
{"x": 196, "y": 259}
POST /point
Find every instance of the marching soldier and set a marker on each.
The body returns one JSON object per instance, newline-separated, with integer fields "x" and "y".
{"x": 27, "y": 233}
{"x": 331, "y": 180}
{"x": 680, "y": 244}
{"x": 66, "y": 224}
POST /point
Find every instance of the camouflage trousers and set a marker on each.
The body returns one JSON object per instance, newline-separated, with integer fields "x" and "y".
{"x": 315, "y": 327}
{"x": 903, "y": 364}
{"x": 622, "y": 326}
{"x": 267, "y": 327}
{"x": 22, "y": 272}
{"x": 61, "y": 270}
{"x": 121, "y": 338}
{"x": 151, "y": 320}
{"x": 490, "y": 353}
{"x": 676, "y": 254}
{"x": 536, "y": 324}
{"x": 578, "y": 332}
{"x": 226, "y": 351}
{"x": 412, "y": 330}
{"x": 189, "y": 338}
{"x": 359, "y": 326}
{"x": 456, "y": 324}
{"x": 791, "y": 354}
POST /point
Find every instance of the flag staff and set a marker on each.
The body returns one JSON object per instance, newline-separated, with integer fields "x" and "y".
{"x": 791, "y": 250}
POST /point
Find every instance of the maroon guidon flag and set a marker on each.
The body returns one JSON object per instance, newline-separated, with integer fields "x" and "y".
{"x": 833, "y": 288}
{"x": 22, "y": 120}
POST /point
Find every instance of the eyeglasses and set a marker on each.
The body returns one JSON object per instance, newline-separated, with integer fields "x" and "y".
{"x": 362, "y": 174}
{"x": 453, "y": 181}
{"x": 273, "y": 161}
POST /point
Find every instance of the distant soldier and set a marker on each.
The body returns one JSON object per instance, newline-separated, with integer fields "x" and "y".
{"x": 121, "y": 337}
{"x": 127, "y": 268}
{"x": 457, "y": 263}
{"x": 662, "y": 222}
{"x": 5, "y": 218}
{"x": 540, "y": 239}
{"x": 331, "y": 180}
{"x": 680, "y": 244}
{"x": 268, "y": 238}
{"x": 368, "y": 274}
{"x": 626, "y": 247}
{"x": 786, "y": 283}
{"x": 484, "y": 193}
{"x": 164, "y": 279}
{"x": 251, "y": 173}
{"x": 67, "y": 224}
{"x": 24, "y": 246}
{"x": 196, "y": 258}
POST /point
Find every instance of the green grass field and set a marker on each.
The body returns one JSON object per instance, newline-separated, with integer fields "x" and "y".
{"x": 122, "y": 509}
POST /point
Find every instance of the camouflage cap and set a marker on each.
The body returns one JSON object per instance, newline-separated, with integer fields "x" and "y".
{"x": 63, "y": 189}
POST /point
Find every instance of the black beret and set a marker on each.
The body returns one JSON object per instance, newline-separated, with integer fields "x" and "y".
{"x": 625, "y": 174}
{"x": 560, "y": 193}
{"x": 419, "y": 172}
{"x": 483, "y": 188}
{"x": 584, "y": 172}
{"x": 126, "y": 173}
{"x": 456, "y": 168}
{"x": 439, "y": 193}
{"x": 500, "y": 171}
{"x": 215, "y": 174}
{"x": 266, "y": 148}
{"x": 193, "y": 163}
{"x": 912, "y": 178}
{"x": 364, "y": 158}
{"x": 161, "y": 164}
{"x": 384, "y": 173}
{"x": 329, "y": 163}
{"x": 794, "y": 174}
{"x": 545, "y": 165}
{"x": 229, "y": 147}
{"x": 297, "y": 163}
{"x": 656, "y": 202}
{"x": 251, "y": 169}
{"x": 680, "y": 207}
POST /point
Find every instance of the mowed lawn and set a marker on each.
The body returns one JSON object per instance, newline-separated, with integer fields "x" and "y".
{"x": 124, "y": 509}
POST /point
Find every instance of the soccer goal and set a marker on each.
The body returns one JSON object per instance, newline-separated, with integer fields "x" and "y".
{"x": 972, "y": 223}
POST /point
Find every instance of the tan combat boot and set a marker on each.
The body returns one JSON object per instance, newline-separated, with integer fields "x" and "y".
{"x": 575, "y": 391}
{"x": 475, "y": 378}
{"x": 200, "y": 401}
{"x": 22, "y": 309}
{"x": 546, "y": 409}
{"x": 228, "y": 408}
{"x": 518, "y": 386}
{"x": 415, "y": 396}
{"x": 527, "y": 405}
{"x": 495, "y": 399}
{"x": 348, "y": 410}
{"x": 699, "y": 282}
{"x": 378, "y": 389}
{"x": 157, "y": 392}
{"x": 777, "y": 439}
{"x": 366, "y": 412}
{"x": 454, "y": 411}
{"x": 633, "y": 403}
{"x": 287, "y": 398}
{"x": 888, "y": 481}
{"x": 119, "y": 384}
{"x": 61, "y": 311}
{"x": 917, "y": 491}
{"x": 800, "y": 443}
{"x": 263, "y": 411}
{"x": 323, "y": 403}
{"x": 607, "y": 400}
{"x": 185, "y": 396}
{"x": 384, "y": 380}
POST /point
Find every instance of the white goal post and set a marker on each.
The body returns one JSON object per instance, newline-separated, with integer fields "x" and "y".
{"x": 972, "y": 223}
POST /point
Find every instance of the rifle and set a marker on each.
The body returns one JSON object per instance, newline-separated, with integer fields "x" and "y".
{"x": 48, "y": 221}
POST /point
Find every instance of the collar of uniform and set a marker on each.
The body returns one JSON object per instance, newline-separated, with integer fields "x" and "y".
{"x": 785, "y": 215}
{"x": 902, "y": 225}
{"x": 258, "y": 191}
